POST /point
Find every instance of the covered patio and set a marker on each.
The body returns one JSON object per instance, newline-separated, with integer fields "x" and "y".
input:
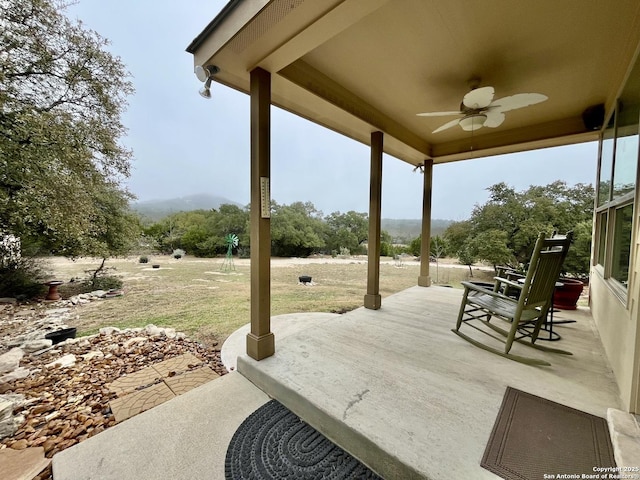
{"x": 393, "y": 386}
{"x": 391, "y": 377}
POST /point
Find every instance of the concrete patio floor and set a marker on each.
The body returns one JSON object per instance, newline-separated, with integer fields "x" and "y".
{"x": 394, "y": 387}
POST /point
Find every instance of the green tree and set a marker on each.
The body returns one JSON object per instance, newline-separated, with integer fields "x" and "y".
{"x": 347, "y": 230}
{"x": 296, "y": 230}
{"x": 200, "y": 232}
{"x": 459, "y": 236}
{"x": 522, "y": 215}
{"x": 438, "y": 247}
{"x": 491, "y": 246}
{"x": 415, "y": 246}
{"x": 578, "y": 258}
{"x": 467, "y": 256}
{"x": 231, "y": 219}
{"x": 456, "y": 235}
{"x": 114, "y": 229}
{"x": 386, "y": 244}
{"x": 61, "y": 98}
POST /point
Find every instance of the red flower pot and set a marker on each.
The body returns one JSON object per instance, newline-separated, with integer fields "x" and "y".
{"x": 566, "y": 297}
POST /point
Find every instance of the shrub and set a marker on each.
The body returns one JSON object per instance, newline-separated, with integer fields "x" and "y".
{"x": 143, "y": 259}
{"x": 22, "y": 278}
{"x": 76, "y": 287}
{"x": 178, "y": 253}
{"x": 108, "y": 282}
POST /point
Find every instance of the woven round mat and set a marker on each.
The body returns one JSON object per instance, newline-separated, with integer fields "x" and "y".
{"x": 273, "y": 443}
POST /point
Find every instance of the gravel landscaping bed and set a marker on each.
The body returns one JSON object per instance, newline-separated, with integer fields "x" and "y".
{"x": 54, "y": 396}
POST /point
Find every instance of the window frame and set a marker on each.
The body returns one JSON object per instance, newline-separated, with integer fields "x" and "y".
{"x": 606, "y": 212}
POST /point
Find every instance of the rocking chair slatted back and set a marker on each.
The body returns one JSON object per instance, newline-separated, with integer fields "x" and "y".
{"x": 546, "y": 272}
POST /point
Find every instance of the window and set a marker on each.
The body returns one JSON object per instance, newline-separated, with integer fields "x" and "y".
{"x": 621, "y": 254}
{"x": 601, "y": 229}
{"x": 617, "y": 170}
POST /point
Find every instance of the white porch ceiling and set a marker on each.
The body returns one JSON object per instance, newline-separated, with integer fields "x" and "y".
{"x": 357, "y": 66}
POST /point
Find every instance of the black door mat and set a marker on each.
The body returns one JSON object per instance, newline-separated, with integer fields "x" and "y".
{"x": 534, "y": 436}
{"x": 273, "y": 443}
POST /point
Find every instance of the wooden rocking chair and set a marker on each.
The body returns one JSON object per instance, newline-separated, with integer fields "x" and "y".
{"x": 527, "y": 311}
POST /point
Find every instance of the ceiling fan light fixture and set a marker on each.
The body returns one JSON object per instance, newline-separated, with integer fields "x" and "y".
{"x": 473, "y": 122}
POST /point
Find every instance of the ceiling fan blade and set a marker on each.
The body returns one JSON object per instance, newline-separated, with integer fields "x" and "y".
{"x": 438, "y": 114}
{"x": 478, "y": 98}
{"x": 519, "y": 100}
{"x": 494, "y": 118}
{"x": 450, "y": 124}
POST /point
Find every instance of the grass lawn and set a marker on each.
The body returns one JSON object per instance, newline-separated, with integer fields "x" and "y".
{"x": 194, "y": 296}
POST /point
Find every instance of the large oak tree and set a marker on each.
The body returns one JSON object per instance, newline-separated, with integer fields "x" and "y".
{"x": 62, "y": 94}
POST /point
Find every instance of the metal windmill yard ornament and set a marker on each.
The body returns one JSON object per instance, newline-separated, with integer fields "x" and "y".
{"x": 232, "y": 242}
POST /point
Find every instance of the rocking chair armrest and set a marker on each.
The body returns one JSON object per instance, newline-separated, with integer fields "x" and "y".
{"x": 509, "y": 282}
{"x": 482, "y": 289}
{"x": 502, "y": 269}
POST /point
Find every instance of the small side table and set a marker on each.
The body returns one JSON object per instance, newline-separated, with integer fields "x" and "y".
{"x": 548, "y": 322}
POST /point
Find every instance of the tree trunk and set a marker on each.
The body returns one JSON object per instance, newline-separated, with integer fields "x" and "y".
{"x": 97, "y": 271}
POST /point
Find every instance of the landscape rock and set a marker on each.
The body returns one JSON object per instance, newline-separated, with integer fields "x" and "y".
{"x": 97, "y": 354}
{"x": 57, "y": 311}
{"x": 10, "y": 426}
{"x": 6, "y": 409}
{"x": 152, "y": 330}
{"x": 9, "y": 423}
{"x": 79, "y": 300}
{"x": 109, "y": 330}
{"x": 65, "y": 361}
{"x": 10, "y": 300}
{"x": 134, "y": 341}
{"x": 35, "y": 345}
{"x": 11, "y": 360}
{"x": 16, "y": 374}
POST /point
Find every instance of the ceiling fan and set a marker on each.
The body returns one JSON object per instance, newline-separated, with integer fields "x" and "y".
{"x": 478, "y": 109}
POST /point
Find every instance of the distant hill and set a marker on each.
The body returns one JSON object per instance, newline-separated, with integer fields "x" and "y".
{"x": 405, "y": 230}
{"x": 156, "y": 209}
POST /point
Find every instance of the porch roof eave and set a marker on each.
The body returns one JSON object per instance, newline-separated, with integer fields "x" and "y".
{"x": 318, "y": 72}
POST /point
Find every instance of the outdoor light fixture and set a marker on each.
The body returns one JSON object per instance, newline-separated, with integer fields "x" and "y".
{"x": 473, "y": 122}
{"x": 205, "y": 74}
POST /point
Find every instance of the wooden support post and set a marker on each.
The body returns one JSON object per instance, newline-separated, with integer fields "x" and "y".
{"x": 260, "y": 340}
{"x": 372, "y": 299}
{"x": 424, "y": 280}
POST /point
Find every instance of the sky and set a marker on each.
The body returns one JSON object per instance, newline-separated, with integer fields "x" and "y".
{"x": 184, "y": 144}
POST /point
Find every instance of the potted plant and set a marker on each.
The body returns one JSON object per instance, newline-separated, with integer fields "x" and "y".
{"x": 566, "y": 296}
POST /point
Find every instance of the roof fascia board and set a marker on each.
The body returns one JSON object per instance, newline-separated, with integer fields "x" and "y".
{"x": 234, "y": 15}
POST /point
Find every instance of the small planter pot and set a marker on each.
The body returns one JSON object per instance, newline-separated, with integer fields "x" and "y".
{"x": 566, "y": 297}
{"x": 61, "y": 335}
{"x": 304, "y": 279}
